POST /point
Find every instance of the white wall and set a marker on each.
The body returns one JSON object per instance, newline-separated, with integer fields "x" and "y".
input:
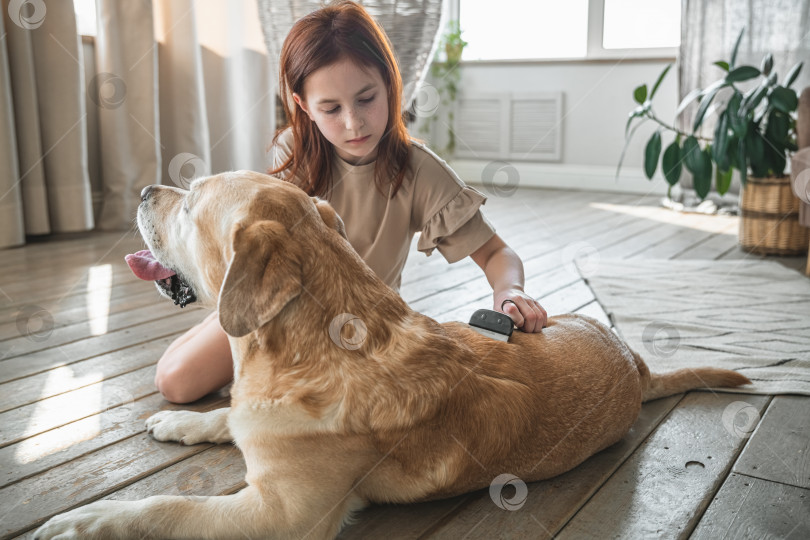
{"x": 597, "y": 100}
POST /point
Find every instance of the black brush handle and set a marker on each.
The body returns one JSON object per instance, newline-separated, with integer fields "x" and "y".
{"x": 492, "y": 320}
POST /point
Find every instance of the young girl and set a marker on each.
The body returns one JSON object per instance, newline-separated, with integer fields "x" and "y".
{"x": 348, "y": 143}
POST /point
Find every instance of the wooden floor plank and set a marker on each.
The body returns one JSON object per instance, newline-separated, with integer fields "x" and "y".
{"x": 28, "y": 420}
{"x": 76, "y": 301}
{"x": 94, "y": 315}
{"x": 21, "y": 366}
{"x": 62, "y": 379}
{"x": 779, "y": 449}
{"x": 41, "y": 452}
{"x": 86, "y": 479}
{"x": 670, "y": 479}
{"x": 748, "y": 507}
{"x": 60, "y": 336}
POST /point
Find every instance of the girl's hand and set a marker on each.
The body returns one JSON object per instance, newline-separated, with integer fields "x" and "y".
{"x": 524, "y": 310}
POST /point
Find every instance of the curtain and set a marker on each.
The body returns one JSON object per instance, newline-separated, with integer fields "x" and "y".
{"x": 709, "y": 29}
{"x": 43, "y": 131}
{"x": 169, "y": 90}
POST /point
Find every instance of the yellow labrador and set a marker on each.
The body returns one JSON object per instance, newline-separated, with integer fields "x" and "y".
{"x": 342, "y": 394}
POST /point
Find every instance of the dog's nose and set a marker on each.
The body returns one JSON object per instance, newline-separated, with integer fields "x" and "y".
{"x": 145, "y": 192}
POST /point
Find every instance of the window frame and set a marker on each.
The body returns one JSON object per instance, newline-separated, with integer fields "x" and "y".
{"x": 594, "y": 51}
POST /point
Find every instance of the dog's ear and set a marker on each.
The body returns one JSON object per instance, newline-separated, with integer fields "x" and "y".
{"x": 329, "y": 216}
{"x": 264, "y": 276}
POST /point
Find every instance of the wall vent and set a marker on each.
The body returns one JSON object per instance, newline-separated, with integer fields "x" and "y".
{"x": 513, "y": 126}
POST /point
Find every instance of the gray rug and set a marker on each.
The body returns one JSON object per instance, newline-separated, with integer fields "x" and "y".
{"x": 750, "y": 316}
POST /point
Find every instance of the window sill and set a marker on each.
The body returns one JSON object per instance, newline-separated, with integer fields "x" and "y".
{"x": 582, "y": 60}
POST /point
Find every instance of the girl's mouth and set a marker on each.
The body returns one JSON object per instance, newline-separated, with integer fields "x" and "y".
{"x": 359, "y": 141}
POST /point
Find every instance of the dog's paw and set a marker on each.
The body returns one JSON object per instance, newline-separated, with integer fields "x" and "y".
{"x": 101, "y": 520}
{"x": 185, "y": 427}
{"x": 188, "y": 427}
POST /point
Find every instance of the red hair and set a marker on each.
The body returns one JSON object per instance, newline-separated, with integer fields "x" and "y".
{"x": 343, "y": 30}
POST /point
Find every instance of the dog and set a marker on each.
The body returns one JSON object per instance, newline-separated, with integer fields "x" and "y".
{"x": 343, "y": 395}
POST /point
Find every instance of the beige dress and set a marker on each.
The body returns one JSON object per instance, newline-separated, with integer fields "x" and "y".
{"x": 432, "y": 201}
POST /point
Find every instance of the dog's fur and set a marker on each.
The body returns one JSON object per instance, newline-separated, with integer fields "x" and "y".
{"x": 405, "y": 410}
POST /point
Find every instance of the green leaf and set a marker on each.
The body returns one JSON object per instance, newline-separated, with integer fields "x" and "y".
{"x": 691, "y": 149}
{"x": 722, "y": 65}
{"x": 767, "y": 64}
{"x": 721, "y": 140}
{"x": 658, "y": 82}
{"x": 778, "y": 127}
{"x": 753, "y": 100}
{"x": 636, "y": 113}
{"x": 671, "y": 163}
{"x": 651, "y": 154}
{"x": 689, "y": 98}
{"x": 742, "y": 161}
{"x": 793, "y": 73}
{"x": 784, "y": 99}
{"x": 742, "y": 73}
{"x": 704, "y": 106}
{"x": 626, "y": 144}
{"x": 736, "y": 47}
{"x": 755, "y": 150}
{"x": 735, "y": 121}
{"x": 722, "y": 180}
{"x": 703, "y": 174}
{"x": 640, "y": 94}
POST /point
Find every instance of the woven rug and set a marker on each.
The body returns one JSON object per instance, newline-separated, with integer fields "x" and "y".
{"x": 749, "y": 316}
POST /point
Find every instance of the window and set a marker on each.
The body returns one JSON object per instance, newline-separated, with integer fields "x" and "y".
{"x": 569, "y": 29}
{"x": 641, "y": 24}
{"x": 85, "y": 17}
{"x": 518, "y": 29}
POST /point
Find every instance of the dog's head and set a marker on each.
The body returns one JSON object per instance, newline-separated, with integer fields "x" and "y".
{"x": 235, "y": 241}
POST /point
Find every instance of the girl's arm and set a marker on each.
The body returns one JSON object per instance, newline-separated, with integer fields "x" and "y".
{"x": 504, "y": 270}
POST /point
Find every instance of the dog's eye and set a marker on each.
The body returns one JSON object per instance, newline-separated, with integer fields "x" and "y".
{"x": 185, "y": 207}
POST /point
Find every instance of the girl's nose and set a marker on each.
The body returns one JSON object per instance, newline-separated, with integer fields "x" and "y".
{"x": 354, "y": 120}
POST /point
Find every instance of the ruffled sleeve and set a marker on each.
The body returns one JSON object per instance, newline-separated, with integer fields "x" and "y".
{"x": 458, "y": 228}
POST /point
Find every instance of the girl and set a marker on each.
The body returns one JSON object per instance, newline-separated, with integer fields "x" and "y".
{"x": 348, "y": 143}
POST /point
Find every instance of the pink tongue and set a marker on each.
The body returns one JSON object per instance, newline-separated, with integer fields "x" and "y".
{"x": 144, "y": 266}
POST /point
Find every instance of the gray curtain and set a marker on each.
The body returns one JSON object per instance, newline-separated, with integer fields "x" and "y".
{"x": 43, "y": 132}
{"x": 169, "y": 90}
{"x": 709, "y": 29}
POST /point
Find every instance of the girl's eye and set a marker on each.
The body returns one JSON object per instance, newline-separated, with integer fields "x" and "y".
{"x": 332, "y": 111}
{"x": 368, "y": 100}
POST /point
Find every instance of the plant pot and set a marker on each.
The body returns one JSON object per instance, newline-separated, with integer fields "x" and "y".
{"x": 769, "y": 218}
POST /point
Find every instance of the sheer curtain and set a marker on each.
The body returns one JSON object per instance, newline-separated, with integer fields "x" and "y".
{"x": 709, "y": 29}
{"x": 169, "y": 90}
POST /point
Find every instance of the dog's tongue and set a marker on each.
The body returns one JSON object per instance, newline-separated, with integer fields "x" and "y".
{"x": 144, "y": 266}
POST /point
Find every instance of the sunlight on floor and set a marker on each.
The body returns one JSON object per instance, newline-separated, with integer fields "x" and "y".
{"x": 99, "y": 290}
{"x": 703, "y": 222}
{"x": 57, "y": 409}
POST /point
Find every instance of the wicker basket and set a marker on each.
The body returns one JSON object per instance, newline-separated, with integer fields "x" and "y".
{"x": 769, "y": 218}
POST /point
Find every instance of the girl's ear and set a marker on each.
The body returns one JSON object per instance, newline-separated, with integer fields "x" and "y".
{"x": 301, "y": 103}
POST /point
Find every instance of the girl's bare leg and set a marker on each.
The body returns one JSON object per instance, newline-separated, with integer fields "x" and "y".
{"x": 195, "y": 364}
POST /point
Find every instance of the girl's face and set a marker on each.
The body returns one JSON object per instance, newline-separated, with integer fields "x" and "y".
{"x": 349, "y": 104}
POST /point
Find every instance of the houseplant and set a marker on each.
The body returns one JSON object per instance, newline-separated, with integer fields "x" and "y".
{"x": 447, "y": 76}
{"x": 754, "y": 133}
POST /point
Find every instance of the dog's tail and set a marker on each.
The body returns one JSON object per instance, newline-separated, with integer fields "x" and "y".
{"x": 658, "y": 385}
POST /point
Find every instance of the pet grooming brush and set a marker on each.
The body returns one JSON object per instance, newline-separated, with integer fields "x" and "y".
{"x": 492, "y": 324}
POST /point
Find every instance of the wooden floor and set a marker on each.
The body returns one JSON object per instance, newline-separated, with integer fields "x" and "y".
{"x": 79, "y": 338}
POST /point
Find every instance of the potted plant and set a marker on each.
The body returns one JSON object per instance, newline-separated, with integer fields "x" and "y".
{"x": 447, "y": 76}
{"x": 754, "y": 133}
